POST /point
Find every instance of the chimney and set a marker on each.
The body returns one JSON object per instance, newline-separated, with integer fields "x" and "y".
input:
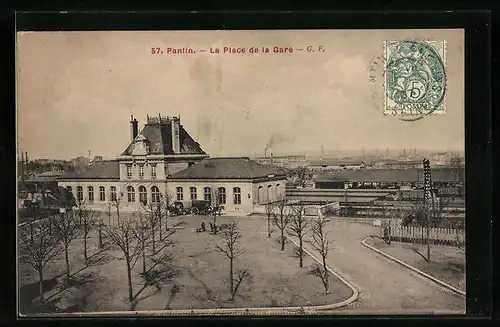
{"x": 133, "y": 127}
{"x": 22, "y": 164}
{"x": 27, "y": 161}
{"x": 175, "y": 123}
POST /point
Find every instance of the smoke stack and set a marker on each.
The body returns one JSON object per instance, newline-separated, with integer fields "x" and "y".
{"x": 27, "y": 161}
{"x": 133, "y": 127}
{"x": 22, "y": 164}
{"x": 175, "y": 123}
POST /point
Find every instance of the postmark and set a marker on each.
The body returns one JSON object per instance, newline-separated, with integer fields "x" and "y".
{"x": 415, "y": 78}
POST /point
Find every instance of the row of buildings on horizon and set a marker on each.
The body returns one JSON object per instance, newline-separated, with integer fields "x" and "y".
{"x": 162, "y": 159}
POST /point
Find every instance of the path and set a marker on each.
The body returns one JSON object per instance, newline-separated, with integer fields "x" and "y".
{"x": 384, "y": 286}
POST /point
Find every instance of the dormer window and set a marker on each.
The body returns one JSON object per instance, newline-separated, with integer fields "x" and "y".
{"x": 129, "y": 171}
{"x": 141, "y": 171}
{"x": 153, "y": 172}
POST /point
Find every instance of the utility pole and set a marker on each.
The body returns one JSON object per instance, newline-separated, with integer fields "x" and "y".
{"x": 428, "y": 195}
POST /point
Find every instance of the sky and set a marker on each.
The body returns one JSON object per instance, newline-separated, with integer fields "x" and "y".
{"x": 76, "y": 91}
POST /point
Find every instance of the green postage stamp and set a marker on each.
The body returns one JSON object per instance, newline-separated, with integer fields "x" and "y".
{"x": 415, "y": 77}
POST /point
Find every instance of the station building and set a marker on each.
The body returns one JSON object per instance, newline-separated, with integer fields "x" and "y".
{"x": 164, "y": 160}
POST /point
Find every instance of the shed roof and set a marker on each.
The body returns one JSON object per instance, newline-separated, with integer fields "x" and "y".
{"x": 228, "y": 168}
{"x": 391, "y": 175}
{"x": 98, "y": 170}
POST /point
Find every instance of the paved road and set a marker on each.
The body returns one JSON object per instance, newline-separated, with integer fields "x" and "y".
{"x": 384, "y": 286}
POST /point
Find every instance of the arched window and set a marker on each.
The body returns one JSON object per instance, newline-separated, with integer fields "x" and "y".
{"x": 143, "y": 195}
{"x": 102, "y": 193}
{"x": 91, "y": 193}
{"x": 79, "y": 193}
{"x": 207, "y": 194}
{"x": 113, "y": 193}
{"x": 270, "y": 193}
{"x": 180, "y": 193}
{"x": 236, "y": 195}
{"x": 222, "y": 195}
{"x": 277, "y": 192}
{"x": 155, "y": 194}
{"x": 192, "y": 191}
{"x": 130, "y": 194}
{"x": 260, "y": 195}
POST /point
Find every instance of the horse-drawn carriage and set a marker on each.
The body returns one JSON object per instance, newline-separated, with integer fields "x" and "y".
{"x": 194, "y": 207}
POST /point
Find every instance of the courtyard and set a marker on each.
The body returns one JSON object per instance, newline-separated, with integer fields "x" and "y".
{"x": 100, "y": 283}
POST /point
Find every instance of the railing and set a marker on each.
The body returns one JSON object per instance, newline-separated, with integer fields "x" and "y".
{"x": 418, "y": 235}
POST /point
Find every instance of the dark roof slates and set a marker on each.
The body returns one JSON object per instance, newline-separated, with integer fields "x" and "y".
{"x": 228, "y": 168}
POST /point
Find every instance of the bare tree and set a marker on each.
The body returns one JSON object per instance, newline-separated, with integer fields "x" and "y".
{"x": 322, "y": 245}
{"x": 232, "y": 249}
{"x": 216, "y": 202}
{"x": 39, "y": 249}
{"x": 152, "y": 216}
{"x": 87, "y": 219}
{"x": 281, "y": 218}
{"x": 108, "y": 210}
{"x": 298, "y": 227}
{"x": 122, "y": 235}
{"x": 67, "y": 229}
{"x": 269, "y": 213}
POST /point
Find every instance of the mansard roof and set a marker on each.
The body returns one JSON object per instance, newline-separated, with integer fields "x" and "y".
{"x": 159, "y": 137}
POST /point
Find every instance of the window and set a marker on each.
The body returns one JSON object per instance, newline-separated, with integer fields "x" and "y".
{"x": 141, "y": 171}
{"x": 129, "y": 171}
{"x": 193, "y": 192}
{"x": 91, "y": 193}
{"x": 260, "y": 195}
{"x": 277, "y": 192}
{"x": 165, "y": 170}
{"x": 269, "y": 193}
{"x": 143, "y": 195}
{"x": 113, "y": 193}
{"x": 153, "y": 172}
{"x": 207, "y": 194}
{"x": 237, "y": 195}
{"x": 180, "y": 193}
{"x": 79, "y": 193}
{"x": 155, "y": 194}
{"x": 69, "y": 188}
{"x": 102, "y": 193}
{"x": 222, "y": 195}
{"x": 130, "y": 194}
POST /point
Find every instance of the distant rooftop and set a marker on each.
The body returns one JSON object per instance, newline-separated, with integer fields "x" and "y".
{"x": 98, "y": 170}
{"x": 228, "y": 168}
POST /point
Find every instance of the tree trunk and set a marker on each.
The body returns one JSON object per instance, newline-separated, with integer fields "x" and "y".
{"x": 215, "y": 226}
{"x": 31, "y": 233}
{"x": 67, "y": 260}
{"x": 129, "y": 277}
{"x": 143, "y": 259}
{"x": 282, "y": 241}
{"x": 268, "y": 227}
{"x": 300, "y": 251}
{"x": 40, "y": 279}
{"x": 85, "y": 246}
{"x": 231, "y": 281}
{"x": 159, "y": 226}
{"x": 100, "y": 235}
{"x": 428, "y": 245}
{"x": 154, "y": 243}
{"x": 325, "y": 271}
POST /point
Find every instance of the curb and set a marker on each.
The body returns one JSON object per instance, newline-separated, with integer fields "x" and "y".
{"x": 355, "y": 292}
{"x": 440, "y": 282}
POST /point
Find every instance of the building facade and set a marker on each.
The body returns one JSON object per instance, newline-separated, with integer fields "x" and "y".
{"x": 162, "y": 160}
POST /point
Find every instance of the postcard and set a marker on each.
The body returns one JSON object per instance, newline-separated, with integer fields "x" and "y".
{"x": 240, "y": 172}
